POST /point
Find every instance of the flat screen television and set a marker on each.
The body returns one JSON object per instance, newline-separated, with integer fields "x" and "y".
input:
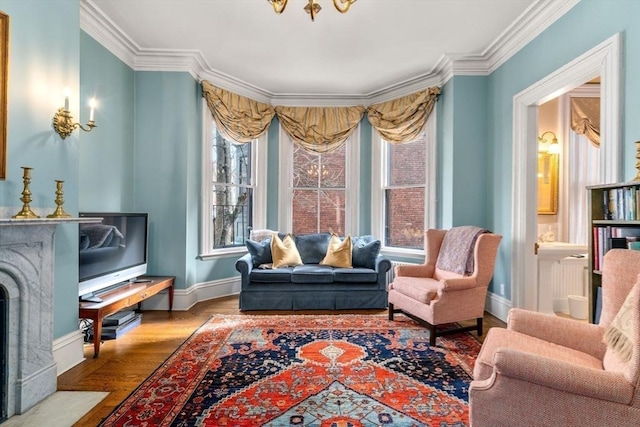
{"x": 111, "y": 252}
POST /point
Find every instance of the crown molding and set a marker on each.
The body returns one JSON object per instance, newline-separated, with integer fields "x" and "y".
{"x": 533, "y": 21}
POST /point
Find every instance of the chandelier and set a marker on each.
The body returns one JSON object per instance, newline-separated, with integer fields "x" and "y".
{"x": 312, "y": 8}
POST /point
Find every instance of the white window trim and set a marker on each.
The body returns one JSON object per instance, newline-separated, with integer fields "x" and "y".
{"x": 378, "y": 178}
{"x": 259, "y": 172}
{"x": 352, "y": 187}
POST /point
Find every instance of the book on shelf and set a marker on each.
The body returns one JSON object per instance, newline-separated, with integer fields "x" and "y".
{"x": 610, "y": 237}
{"x": 621, "y": 203}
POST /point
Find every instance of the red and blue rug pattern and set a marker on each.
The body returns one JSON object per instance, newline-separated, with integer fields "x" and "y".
{"x": 306, "y": 370}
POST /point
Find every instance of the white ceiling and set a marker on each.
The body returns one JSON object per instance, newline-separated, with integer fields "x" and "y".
{"x": 375, "y": 48}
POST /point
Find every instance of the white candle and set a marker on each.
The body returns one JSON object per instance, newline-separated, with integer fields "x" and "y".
{"x": 66, "y": 92}
{"x": 92, "y": 104}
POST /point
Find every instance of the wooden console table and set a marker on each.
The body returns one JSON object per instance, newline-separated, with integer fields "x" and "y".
{"x": 124, "y": 296}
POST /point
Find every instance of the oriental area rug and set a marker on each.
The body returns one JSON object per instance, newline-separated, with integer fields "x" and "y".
{"x": 307, "y": 370}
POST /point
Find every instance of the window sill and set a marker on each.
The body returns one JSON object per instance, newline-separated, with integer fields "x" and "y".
{"x": 409, "y": 254}
{"x": 223, "y": 253}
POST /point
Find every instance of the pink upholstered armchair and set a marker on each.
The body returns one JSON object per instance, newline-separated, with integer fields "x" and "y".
{"x": 545, "y": 370}
{"x": 433, "y": 295}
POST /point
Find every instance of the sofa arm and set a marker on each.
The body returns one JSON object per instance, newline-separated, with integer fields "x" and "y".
{"x": 383, "y": 264}
{"x": 584, "y": 337}
{"x": 562, "y": 376}
{"x": 244, "y": 265}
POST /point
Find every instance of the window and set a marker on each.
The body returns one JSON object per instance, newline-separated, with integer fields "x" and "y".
{"x": 316, "y": 195}
{"x": 230, "y": 191}
{"x": 402, "y": 201}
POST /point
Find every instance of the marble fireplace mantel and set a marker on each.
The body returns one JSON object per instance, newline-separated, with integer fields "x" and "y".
{"x": 27, "y": 274}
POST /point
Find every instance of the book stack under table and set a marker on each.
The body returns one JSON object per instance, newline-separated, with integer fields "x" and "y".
{"x": 118, "y": 324}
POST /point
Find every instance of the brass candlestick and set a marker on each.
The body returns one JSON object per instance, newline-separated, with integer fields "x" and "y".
{"x": 637, "y": 178}
{"x": 59, "y": 212}
{"x": 26, "y": 211}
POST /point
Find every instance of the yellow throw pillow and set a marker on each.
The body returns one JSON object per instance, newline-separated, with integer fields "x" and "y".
{"x": 338, "y": 253}
{"x": 284, "y": 253}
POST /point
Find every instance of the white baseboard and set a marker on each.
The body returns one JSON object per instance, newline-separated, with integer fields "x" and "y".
{"x": 185, "y": 299}
{"x": 498, "y": 306}
{"x": 68, "y": 351}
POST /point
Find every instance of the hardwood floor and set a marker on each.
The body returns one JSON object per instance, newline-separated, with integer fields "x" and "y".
{"x": 126, "y": 362}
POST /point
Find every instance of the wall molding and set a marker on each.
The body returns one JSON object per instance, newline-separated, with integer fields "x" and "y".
{"x": 533, "y": 21}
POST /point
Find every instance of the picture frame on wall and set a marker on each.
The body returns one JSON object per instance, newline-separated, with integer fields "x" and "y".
{"x": 4, "y": 72}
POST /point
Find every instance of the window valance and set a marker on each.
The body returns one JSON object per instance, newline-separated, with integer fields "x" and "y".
{"x": 402, "y": 119}
{"x": 585, "y": 118}
{"x": 239, "y": 118}
{"x": 319, "y": 129}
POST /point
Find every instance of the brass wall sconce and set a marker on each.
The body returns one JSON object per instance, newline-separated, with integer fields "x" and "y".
{"x": 554, "y": 147}
{"x": 63, "y": 120}
{"x": 312, "y": 8}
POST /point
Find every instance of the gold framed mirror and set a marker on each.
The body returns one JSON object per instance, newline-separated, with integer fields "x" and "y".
{"x": 4, "y": 68}
{"x": 547, "y": 184}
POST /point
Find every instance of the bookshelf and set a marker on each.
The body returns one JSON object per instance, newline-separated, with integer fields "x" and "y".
{"x": 614, "y": 220}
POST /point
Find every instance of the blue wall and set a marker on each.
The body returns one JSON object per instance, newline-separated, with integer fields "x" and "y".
{"x": 43, "y": 60}
{"x": 106, "y": 155}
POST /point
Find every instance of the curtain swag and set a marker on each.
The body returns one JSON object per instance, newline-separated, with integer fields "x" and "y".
{"x": 239, "y": 118}
{"x": 319, "y": 129}
{"x": 402, "y": 119}
{"x": 585, "y": 118}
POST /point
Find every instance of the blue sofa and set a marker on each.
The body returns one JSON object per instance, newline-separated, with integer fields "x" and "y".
{"x": 314, "y": 286}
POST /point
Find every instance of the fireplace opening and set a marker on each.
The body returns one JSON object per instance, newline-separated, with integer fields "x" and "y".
{"x": 4, "y": 333}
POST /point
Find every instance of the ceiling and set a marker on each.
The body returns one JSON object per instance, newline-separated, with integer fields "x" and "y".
{"x": 375, "y": 48}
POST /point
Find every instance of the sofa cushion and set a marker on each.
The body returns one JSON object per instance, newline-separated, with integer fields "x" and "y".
{"x": 338, "y": 253}
{"x": 355, "y": 275}
{"x": 268, "y": 275}
{"x": 365, "y": 250}
{"x": 260, "y": 251}
{"x": 284, "y": 253}
{"x": 312, "y": 273}
{"x": 312, "y": 247}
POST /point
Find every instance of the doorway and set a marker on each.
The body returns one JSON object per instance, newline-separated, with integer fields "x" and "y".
{"x": 603, "y": 60}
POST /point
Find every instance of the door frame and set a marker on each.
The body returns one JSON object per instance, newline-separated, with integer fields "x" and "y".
{"x": 603, "y": 60}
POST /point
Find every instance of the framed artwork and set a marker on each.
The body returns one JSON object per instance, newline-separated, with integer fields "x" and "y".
{"x": 547, "y": 184}
{"x": 4, "y": 69}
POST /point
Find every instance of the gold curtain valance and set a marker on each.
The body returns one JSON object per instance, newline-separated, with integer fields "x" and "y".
{"x": 585, "y": 118}
{"x": 239, "y": 118}
{"x": 319, "y": 129}
{"x": 402, "y": 119}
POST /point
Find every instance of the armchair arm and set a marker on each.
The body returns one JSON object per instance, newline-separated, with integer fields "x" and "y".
{"x": 562, "y": 376}
{"x": 458, "y": 284}
{"x": 584, "y": 337}
{"x": 415, "y": 270}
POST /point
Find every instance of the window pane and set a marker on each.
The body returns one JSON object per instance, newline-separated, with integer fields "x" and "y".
{"x": 231, "y": 163}
{"x": 305, "y": 168}
{"x": 405, "y": 218}
{"x": 407, "y": 163}
{"x": 305, "y": 211}
{"x": 332, "y": 168}
{"x": 332, "y": 212}
{"x": 231, "y": 215}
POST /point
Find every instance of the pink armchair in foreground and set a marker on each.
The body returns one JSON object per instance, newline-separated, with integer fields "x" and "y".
{"x": 434, "y": 296}
{"x": 545, "y": 370}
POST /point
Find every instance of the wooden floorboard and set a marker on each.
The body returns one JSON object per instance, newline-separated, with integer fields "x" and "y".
{"x": 126, "y": 362}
